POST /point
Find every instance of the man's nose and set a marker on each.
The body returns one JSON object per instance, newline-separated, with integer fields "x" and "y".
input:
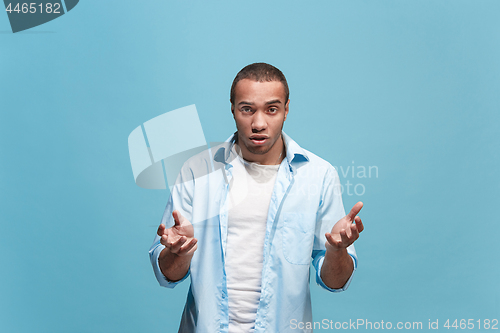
{"x": 258, "y": 122}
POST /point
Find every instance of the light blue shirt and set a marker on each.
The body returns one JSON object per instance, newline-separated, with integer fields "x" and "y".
{"x": 305, "y": 204}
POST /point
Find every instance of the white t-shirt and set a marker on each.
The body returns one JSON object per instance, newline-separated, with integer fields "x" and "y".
{"x": 250, "y": 192}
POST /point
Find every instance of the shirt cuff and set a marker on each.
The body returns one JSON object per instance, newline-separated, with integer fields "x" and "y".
{"x": 319, "y": 281}
{"x": 162, "y": 280}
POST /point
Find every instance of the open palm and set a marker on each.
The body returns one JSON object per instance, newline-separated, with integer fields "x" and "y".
{"x": 345, "y": 232}
{"x": 179, "y": 239}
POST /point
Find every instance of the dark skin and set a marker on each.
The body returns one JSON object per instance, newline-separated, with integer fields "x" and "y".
{"x": 180, "y": 244}
{"x": 260, "y": 110}
{"x": 338, "y": 265}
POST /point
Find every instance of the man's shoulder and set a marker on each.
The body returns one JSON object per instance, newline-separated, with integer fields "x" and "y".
{"x": 316, "y": 160}
{"x": 313, "y": 160}
{"x": 206, "y": 161}
{"x": 213, "y": 154}
{"x": 319, "y": 167}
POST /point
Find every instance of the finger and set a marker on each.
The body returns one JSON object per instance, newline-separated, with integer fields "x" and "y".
{"x": 359, "y": 224}
{"x": 169, "y": 238}
{"x": 176, "y": 245}
{"x": 178, "y": 218}
{"x": 161, "y": 230}
{"x": 345, "y": 239}
{"x": 187, "y": 247}
{"x": 354, "y": 233}
{"x": 335, "y": 243}
{"x": 355, "y": 210}
{"x": 164, "y": 240}
{"x": 193, "y": 249}
{"x": 348, "y": 230}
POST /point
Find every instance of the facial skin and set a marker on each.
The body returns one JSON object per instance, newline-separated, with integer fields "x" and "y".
{"x": 260, "y": 110}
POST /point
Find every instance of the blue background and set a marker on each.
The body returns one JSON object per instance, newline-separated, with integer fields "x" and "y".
{"x": 411, "y": 87}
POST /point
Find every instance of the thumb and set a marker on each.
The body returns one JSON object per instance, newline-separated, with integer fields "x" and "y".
{"x": 178, "y": 218}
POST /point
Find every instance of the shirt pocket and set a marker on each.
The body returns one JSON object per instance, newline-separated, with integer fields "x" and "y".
{"x": 298, "y": 237}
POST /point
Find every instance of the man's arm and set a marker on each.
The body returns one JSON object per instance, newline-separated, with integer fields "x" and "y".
{"x": 180, "y": 245}
{"x": 338, "y": 265}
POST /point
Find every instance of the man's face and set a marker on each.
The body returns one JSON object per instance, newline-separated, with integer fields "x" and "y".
{"x": 259, "y": 111}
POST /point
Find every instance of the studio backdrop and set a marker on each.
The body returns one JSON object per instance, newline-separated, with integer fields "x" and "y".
{"x": 402, "y": 97}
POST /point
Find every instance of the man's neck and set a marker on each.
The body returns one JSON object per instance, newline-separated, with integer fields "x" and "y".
{"x": 274, "y": 156}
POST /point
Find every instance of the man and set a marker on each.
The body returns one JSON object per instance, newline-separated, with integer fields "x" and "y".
{"x": 245, "y": 218}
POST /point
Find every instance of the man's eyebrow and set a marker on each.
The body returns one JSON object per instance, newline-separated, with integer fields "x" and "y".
{"x": 275, "y": 101}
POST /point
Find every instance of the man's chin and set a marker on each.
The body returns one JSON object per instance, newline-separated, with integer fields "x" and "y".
{"x": 260, "y": 150}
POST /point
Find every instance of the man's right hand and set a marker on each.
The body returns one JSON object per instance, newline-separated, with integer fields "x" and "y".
{"x": 178, "y": 239}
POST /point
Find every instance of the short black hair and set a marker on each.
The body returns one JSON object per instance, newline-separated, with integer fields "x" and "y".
{"x": 260, "y": 72}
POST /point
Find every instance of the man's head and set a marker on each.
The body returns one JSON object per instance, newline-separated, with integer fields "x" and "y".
{"x": 260, "y": 72}
{"x": 259, "y": 103}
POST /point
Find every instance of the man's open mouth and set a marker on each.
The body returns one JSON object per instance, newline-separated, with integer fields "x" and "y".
{"x": 258, "y": 139}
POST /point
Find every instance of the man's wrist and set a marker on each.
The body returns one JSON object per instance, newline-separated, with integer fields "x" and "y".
{"x": 173, "y": 266}
{"x": 332, "y": 253}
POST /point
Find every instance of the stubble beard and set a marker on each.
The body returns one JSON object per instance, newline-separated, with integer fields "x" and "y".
{"x": 265, "y": 151}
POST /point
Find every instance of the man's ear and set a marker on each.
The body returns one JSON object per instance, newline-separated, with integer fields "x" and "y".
{"x": 286, "y": 109}
{"x": 232, "y": 109}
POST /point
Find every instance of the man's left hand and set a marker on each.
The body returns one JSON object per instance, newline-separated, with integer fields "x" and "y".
{"x": 345, "y": 232}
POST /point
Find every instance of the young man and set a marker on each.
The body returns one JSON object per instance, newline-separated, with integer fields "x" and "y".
{"x": 245, "y": 218}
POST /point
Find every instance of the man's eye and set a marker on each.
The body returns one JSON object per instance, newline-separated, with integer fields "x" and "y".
{"x": 246, "y": 110}
{"x": 273, "y": 110}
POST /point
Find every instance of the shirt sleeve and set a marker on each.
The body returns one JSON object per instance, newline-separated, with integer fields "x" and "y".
{"x": 180, "y": 199}
{"x": 331, "y": 209}
{"x": 318, "y": 263}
